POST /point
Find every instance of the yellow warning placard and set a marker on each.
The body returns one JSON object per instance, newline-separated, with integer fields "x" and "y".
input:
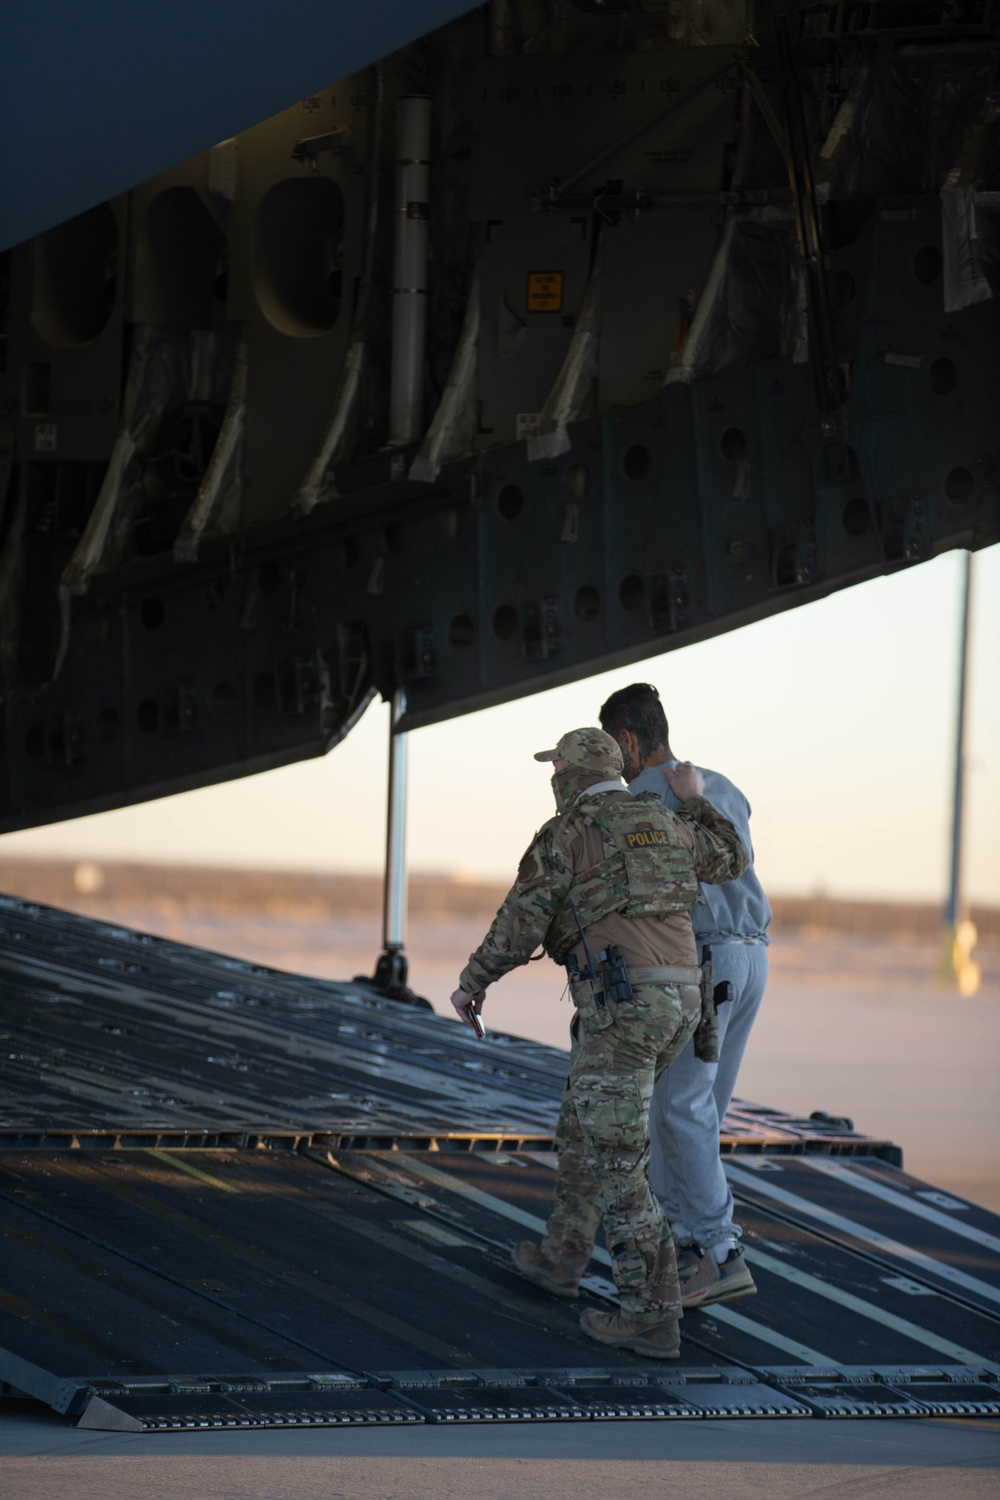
{"x": 545, "y": 291}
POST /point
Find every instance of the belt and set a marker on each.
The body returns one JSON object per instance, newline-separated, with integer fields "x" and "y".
{"x": 666, "y": 974}
{"x": 659, "y": 974}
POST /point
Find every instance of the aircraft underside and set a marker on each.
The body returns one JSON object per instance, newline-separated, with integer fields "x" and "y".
{"x": 555, "y": 340}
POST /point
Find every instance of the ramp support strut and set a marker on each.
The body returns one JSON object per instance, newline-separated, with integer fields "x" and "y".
{"x": 391, "y": 970}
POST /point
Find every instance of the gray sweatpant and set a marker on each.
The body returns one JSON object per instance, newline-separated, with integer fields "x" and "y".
{"x": 689, "y": 1102}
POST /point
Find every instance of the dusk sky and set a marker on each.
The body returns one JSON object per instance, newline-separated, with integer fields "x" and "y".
{"x": 836, "y": 719}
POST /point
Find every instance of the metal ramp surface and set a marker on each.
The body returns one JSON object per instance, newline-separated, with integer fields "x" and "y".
{"x": 234, "y": 1197}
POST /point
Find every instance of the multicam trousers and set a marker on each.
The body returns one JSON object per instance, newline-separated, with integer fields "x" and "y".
{"x": 603, "y": 1142}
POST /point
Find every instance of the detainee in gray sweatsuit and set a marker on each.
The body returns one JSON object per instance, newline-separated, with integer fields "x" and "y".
{"x": 691, "y": 1097}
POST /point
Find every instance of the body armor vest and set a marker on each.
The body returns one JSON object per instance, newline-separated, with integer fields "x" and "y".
{"x": 645, "y": 871}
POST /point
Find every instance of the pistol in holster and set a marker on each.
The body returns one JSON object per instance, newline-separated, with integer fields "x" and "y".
{"x": 706, "y": 1037}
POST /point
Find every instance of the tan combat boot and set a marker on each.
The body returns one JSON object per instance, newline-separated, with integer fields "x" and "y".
{"x": 656, "y": 1340}
{"x": 529, "y": 1260}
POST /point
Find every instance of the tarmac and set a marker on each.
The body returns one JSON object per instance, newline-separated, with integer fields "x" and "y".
{"x": 42, "y": 1458}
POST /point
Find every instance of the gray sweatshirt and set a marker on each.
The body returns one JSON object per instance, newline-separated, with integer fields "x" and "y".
{"x": 737, "y": 911}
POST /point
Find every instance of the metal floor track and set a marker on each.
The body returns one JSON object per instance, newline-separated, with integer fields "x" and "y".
{"x": 235, "y": 1197}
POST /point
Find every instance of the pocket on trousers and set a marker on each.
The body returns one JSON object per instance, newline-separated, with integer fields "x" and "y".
{"x": 594, "y": 1019}
{"x": 613, "y": 1115}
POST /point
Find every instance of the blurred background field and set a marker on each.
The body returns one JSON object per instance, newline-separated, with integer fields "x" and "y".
{"x": 854, "y": 1022}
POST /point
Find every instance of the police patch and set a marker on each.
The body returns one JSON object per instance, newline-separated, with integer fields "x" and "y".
{"x": 646, "y": 838}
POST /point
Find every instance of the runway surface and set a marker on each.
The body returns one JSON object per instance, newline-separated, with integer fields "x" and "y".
{"x": 763, "y": 1460}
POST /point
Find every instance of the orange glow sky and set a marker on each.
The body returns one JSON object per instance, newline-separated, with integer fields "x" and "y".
{"x": 836, "y": 719}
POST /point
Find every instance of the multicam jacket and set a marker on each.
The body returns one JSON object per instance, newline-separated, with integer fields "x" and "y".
{"x": 653, "y": 861}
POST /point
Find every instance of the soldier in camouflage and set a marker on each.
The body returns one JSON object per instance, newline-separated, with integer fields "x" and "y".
{"x": 611, "y": 875}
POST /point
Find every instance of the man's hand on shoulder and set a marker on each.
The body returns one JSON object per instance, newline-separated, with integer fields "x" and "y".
{"x": 687, "y": 781}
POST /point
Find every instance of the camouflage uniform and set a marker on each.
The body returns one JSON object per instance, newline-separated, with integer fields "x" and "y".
{"x": 631, "y": 869}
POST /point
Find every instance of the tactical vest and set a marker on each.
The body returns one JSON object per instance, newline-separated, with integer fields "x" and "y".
{"x": 644, "y": 872}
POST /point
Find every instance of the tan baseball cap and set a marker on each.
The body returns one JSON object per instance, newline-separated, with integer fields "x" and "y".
{"x": 590, "y": 749}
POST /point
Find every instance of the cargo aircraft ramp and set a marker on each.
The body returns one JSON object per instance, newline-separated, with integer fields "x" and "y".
{"x": 234, "y": 1197}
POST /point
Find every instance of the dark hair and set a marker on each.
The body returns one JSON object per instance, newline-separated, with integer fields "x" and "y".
{"x": 638, "y": 708}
